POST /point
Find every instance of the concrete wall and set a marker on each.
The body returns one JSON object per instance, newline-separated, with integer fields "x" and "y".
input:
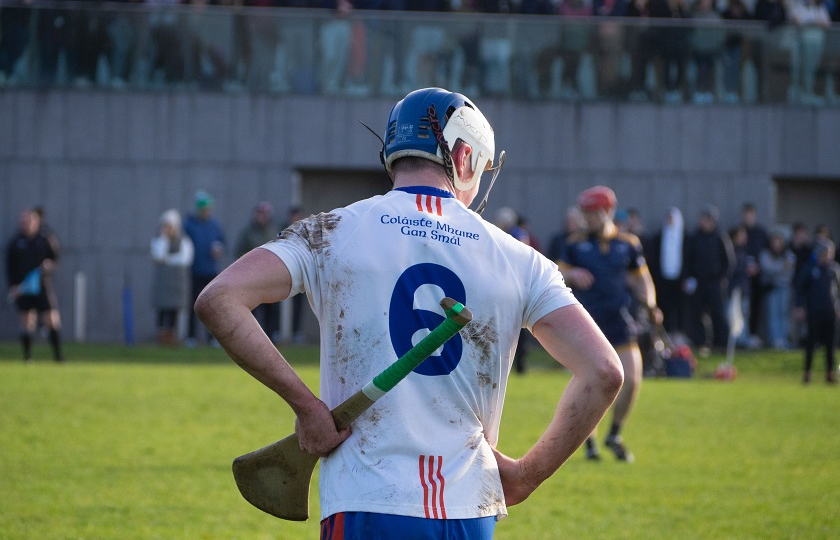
{"x": 106, "y": 164}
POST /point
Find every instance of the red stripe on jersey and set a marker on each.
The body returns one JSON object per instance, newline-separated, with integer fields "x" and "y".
{"x": 423, "y": 482}
{"x": 432, "y": 207}
{"x": 434, "y": 486}
{"x": 440, "y": 479}
{"x": 431, "y": 478}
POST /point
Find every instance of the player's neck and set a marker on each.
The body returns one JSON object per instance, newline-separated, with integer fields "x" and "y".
{"x": 423, "y": 178}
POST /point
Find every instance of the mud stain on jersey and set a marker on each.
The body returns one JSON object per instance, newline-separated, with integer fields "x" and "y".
{"x": 490, "y": 494}
{"x": 314, "y": 229}
{"x": 483, "y": 379}
{"x": 473, "y": 442}
{"x": 482, "y": 337}
{"x": 375, "y": 416}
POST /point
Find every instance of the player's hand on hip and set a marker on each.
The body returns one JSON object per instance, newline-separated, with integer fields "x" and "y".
{"x": 514, "y": 483}
{"x": 316, "y": 431}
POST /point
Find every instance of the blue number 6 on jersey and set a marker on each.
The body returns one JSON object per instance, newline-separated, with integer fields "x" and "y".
{"x": 404, "y": 320}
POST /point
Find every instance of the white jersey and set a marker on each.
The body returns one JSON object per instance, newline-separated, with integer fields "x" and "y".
{"x": 375, "y": 273}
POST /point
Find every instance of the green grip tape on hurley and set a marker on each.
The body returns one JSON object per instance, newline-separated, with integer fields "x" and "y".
{"x": 397, "y": 371}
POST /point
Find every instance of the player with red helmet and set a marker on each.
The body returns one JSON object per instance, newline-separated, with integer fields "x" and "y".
{"x": 602, "y": 264}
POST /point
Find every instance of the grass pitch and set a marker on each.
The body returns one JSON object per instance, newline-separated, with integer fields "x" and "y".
{"x": 136, "y": 443}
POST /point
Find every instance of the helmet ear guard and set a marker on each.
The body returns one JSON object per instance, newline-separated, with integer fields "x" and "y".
{"x": 469, "y": 125}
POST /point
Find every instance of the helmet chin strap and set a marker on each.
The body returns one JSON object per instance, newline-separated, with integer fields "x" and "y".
{"x": 496, "y": 170}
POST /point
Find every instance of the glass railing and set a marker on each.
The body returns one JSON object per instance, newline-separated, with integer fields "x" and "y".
{"x": 387, "y": 53}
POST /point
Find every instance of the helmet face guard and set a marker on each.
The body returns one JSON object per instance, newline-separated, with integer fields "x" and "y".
{"x": 428, "y": 122}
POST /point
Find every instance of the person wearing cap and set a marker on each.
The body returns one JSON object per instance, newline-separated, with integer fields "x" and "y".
{"x": 817, "y": 302}
{"x": 259, "y": 230}
{"x": 172, "y": 253}
{"x": 421, "y": 462}
{"x": 208, "y": 238}
{"x": 604, "y": 267}
{"x": 709, "y": 265}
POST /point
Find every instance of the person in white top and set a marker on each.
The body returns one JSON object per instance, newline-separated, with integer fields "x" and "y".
{"x": 172, "y": 253}
{"x": 423, "y": 458}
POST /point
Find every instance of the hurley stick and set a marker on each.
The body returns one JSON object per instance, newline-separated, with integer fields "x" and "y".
{"x": 276, "y": 478}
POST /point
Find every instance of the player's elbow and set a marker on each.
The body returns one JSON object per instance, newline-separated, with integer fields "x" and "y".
{"x": 610, "y": 374}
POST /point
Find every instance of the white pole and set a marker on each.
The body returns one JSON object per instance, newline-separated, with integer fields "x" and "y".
{"x": 286, "y": 321}
{"x": 80, "y": 306}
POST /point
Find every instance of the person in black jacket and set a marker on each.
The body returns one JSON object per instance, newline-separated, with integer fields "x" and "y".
{"x": 817, "y": 301}
{"x": 709, "y": 261}
{"x": 30, "y": 261}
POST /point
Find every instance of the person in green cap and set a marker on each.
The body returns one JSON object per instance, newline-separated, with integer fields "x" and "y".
{"x": 208, "y": 238}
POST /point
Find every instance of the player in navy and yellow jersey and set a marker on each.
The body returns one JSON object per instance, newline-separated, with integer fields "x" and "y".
{"x": 606, "y": 268}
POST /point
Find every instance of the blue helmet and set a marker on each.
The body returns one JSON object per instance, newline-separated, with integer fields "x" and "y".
{"x": 411, "y": 131}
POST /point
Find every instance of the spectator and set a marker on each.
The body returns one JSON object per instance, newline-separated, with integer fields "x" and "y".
{"x": 823, "y": 232}
{"x": 54, "y": 37}
{"x": 800, "y": 245}
{"x": 261, "y": 229}
{"x": 736, "y": 50}
{"x": 811, "y": 19}
{"x": 620, "y": 220}
{"x": 746, "y": 267}
{"x": 635, "y": 225}
{"x": 757, "y": 240}
{"x": 572, "y": 223}
{"x": 29, "y": 258}
{"x": 664, "y": 46}
{"x": 14, "y": 38}
{"x": 172, "y": 252}
{"x": 707, "y": 40}
{"x": 334, "y": 45}
{"x": 666, "y": 259}
{"x": 777, "y": 38}
{"x": 817, "y": 300}
{"x": 777, "y": 263}
{"x": 709, "y": 261}
{"x": 165, "y": 43}
{"x": 610, "y": 52}
{"x": 802, "y": 248}
{"x": 606, "y": 269}
{"x": 90, "y": 41}
{"x": 208, "y": 239}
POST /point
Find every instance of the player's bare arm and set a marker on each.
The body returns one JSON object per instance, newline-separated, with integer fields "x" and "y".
{"x": 571, "y": 337}
{"x": 640, "y": 283}
{"x": 225, "y": 309}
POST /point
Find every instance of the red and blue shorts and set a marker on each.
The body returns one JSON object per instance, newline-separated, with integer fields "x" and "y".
{"x": 372, "y": 526}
